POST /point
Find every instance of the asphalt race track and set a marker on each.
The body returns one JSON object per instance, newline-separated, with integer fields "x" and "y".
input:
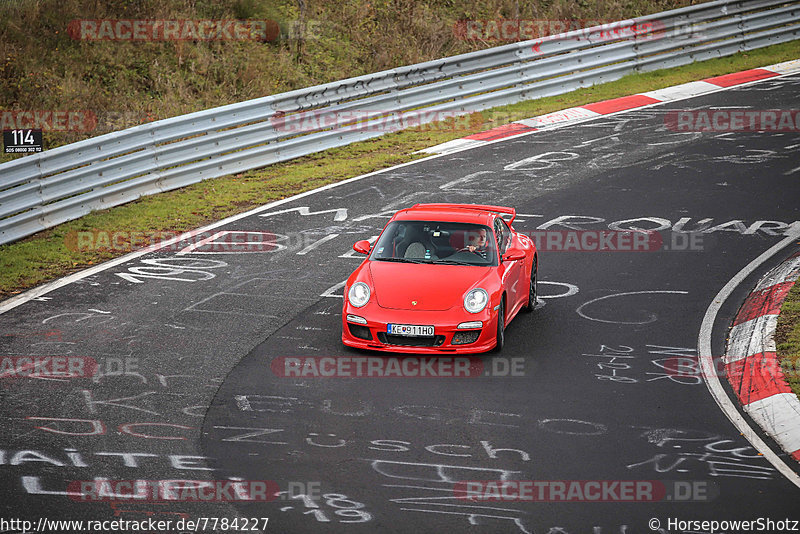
{"x": 186, "y": 341}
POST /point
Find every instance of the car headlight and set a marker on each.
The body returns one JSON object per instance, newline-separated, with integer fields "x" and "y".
{"x": 476, "y": 300}
{"x": 358, "y": 294}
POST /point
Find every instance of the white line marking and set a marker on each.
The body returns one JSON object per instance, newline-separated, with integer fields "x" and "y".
{"x": 571, "y": 290}
{"x": 652, "y": 318}
{"x": 467, "y": 178}
{"x": 200, "y": 243}
{"x": 315, "y": 244}
{"x": 456, "y": 145}
{"x": 330, "y": 292}
{"x": 792, "y": 171}
{"x": 707, "y": 361}
{"x": 340, "y": 214}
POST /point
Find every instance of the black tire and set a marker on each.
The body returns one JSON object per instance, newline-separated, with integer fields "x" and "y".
{"x": 532, "y": 289}
{"x": 501, "y": 326}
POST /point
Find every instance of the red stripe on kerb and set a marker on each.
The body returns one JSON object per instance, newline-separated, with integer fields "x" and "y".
{"x": 757, "y": 377}
{"x": 620, "y": 104}
{"x": 796, "y": 455}
{"x": 765, "y": 302}
{"x": 501, "y": 132}
{"x": 737, "y": 78}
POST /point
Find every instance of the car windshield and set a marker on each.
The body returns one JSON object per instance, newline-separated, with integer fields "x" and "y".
{"x": 444, "y": 243}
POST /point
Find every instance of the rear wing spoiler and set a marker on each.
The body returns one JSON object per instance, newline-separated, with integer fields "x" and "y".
{"x": 482, "y": 207}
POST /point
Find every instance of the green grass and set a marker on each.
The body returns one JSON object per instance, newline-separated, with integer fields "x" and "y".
{"x": 52, "y": 253}
{"x": 787, "y": 338}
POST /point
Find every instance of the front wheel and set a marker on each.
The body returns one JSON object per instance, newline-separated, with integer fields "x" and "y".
{"x": 532, "y": 290}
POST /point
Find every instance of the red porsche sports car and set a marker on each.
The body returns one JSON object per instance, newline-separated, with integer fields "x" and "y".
{"x": 440, "y": 278}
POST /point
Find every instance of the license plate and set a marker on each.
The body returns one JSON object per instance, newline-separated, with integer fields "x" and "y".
{"x": 410, "y": 330}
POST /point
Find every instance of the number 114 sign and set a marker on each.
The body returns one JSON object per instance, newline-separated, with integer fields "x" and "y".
{"x": 22, "y": 141}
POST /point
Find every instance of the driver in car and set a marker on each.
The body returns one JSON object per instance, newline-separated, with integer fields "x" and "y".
{"x": 477, "y": 243}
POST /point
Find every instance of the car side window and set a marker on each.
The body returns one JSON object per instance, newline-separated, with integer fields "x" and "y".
{"x": 502, "y": 234}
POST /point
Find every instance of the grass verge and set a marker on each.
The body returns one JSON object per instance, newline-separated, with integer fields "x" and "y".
{"x": 52, "y": 253}
{"x": 787, "y": 338}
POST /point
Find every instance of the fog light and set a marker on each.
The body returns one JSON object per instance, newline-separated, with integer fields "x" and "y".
{"x": 361, "y": 332}
{"x": 356, "y": 319}
{"x": 464, "y": 338}
{"x": 470, "y": 325}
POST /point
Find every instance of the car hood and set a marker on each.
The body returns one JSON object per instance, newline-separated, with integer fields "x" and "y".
{"x": 432, "y": 287}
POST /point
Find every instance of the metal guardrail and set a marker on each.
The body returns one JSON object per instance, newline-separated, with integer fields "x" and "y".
{"x": 62, "y": 184}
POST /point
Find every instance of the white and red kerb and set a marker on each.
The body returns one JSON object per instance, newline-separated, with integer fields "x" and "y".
{"x": 751, "y": 361}
{"x": 615, "y": 105}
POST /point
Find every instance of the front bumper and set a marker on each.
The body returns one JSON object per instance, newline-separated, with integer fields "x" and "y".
{"x": 445, "y": 325}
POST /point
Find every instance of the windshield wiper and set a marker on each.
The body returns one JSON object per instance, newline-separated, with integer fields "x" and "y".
{"x": 453, "y": 262}
{"x": 402, "y": 260}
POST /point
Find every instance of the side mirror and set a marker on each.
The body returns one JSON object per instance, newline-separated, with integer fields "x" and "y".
{"x": 362, "y": 247}
{"x": 514, "y": 254}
